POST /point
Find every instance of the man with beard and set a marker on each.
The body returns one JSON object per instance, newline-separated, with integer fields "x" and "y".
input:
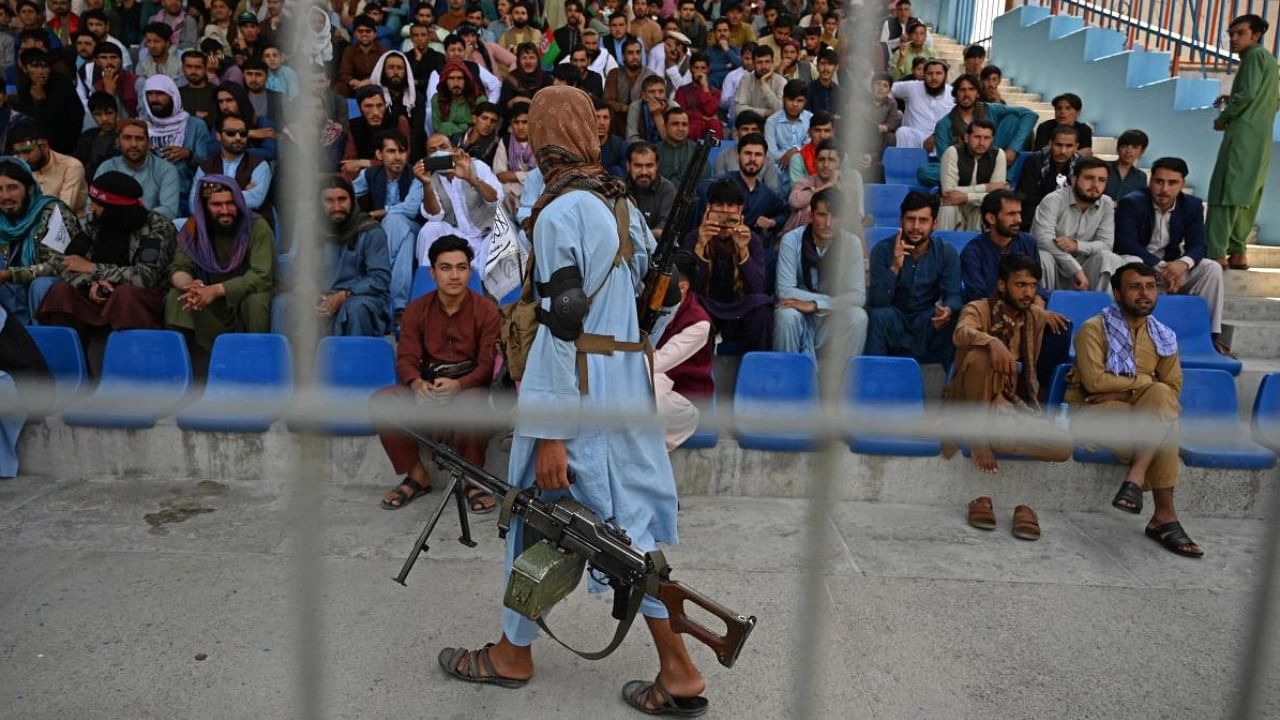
{"x": 997, "y": 341}
{"x": 644, "y": 26}
{"x": 453, "y": 107}
{"x": 175, "y": 135}
{"x": 675, "y": 150}
{"x": 98, "y": 24}
{"x": 117, "y": 279}
{"x": 362, "y": 135}
{"x": 388, "y": 192}
{"x": 817, "y": 303}
{"x": 980, "y": 269}
{"x": 185, "y": 29}
{"x": 1127, "y": 366}
{"x": 585, "y": 78}
{"x": 460, "y": 201}
{"x": 158, "y": 178}
{"x": 693, "y": 25}
{"x": 701, "y": 100}
{"x": 49, "y": 100}
{"x": 1013, "y": 125}
{"x": 616, "y": 41}
{"x": 358, "y": 59}
{"x": 645, "y": 116}
{"x": 223, "y": 271}
{"x": 107, "y": 73}
{"x": 266, "y": 103}
{"x": 761, "y": 91}
{"x": 159, "y": 58}
{"x": 915, "y": 45}
{"x": 625, "y": 85}
{"x": 1075, "y": 229}
{"x": 895, "y": 27}
{"x": 521, "y": 31}
{"x": 671, "y": 60}
{"x": 970, "y": 170}
{"x": 423, "y": 60}
{"x": 915, "y": 288}
{"x": 197, "y": 93}
{"x": 722, "y": 56}
{"x": 34, "y": 231}
{"x": 525, "y": 79}
{"x": 480, "y": 141}
{"x": 60, "y": 176}
{"x": 764, "y": 210}
{"x": 1046, "y": 171}
{"x": 357, "y": 272}
{"x": 482, "y": 81}
{"x": 926, "y": 103}
{"x": 252, "y": 174}
{"x": 652, "y": 194}
{"x": 400, "y": 91}
{"x": 569, "y": 35}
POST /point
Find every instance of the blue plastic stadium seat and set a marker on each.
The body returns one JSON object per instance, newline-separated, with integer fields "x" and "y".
{"x": 775, "y": 385}
{"x": 350, "y": 370}
{"x": 61, "y": 349}
{"x": 724, "y": 146}
{"x": 1266, "y": 412}
{"x": 878, "y": 385}
{"x": 955, "y": 238}
{"x": 244, "y": 367}
{"x": 901, "y": 164}
{"x": 1078, "y": 306}
{"x": 145, "y": 376}
{"x": 884, "y": 203}
{"x": 1209, "y": 401}
{"x": 1015, "y": 172}
{"x": 353, "y": 109}
{"x": 1057, "y": 389}
{"x": 877, "y": 235}
{"x": 424, "y": 282}
{"x": 704, "y": 437}
{"x": 1188, "y": 316}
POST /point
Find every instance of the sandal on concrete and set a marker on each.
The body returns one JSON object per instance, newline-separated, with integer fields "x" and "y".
{"x": 1174, "y": 539}
{"x": 399, "y": 498}
{"x": 638, "y": 693}
{"x": 981, "y": 514}
{"x": 1129, "y": 492}
{"x": 477, "y": 669}
{"x": 1026, "y": 526}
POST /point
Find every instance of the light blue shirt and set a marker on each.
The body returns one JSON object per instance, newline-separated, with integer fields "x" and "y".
{"x": 409, "y": 207}
{"x": 161, "y": 184}
{"x": 261, "y": 179}
{"x": 285, "y": 81}
{"x": 790, "y": 282}
{"x": 783, "y": 134}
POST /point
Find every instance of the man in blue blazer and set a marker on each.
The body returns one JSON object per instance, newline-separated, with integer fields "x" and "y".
{"x": 1164, "y": 228}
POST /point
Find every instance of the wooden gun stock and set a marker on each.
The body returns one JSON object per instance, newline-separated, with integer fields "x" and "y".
{"x": 737, "y": 627}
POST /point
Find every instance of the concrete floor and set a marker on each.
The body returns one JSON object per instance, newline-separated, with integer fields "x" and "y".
{"x": 111, "y": 589}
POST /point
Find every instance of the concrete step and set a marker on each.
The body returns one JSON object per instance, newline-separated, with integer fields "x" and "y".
{"x": 1248, "y": 380}
{"x": 1015, "y": 97}
{"x": 1255, "y": 282}
{"x": 1264, "y": 256}
{"x": 1103, "y": 145}
{"x": 1251, "y": 308}
{"x": 1254, "y": 338}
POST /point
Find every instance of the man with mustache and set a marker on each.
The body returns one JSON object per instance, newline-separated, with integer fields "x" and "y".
{"x": 1075, "y": 228}
{"x": 927, "y": 102}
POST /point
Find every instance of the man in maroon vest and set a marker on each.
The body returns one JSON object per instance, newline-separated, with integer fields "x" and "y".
{"x": 251, "y": 173}
{"x": 682, "y": 360}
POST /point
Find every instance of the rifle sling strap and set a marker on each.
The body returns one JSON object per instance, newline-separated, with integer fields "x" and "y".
{"x": 624, "y": 626}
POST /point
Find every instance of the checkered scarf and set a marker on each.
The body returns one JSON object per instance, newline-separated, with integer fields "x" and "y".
{"x": 1120, "y": 354}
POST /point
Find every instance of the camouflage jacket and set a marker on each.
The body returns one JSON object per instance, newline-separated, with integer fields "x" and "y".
{"x": 151, "y": 248}
{"x": 48, "y": 261}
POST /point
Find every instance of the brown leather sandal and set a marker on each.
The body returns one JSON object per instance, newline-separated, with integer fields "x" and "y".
{"x": 1026, "y": 526}
{"x": 477, "y": 668}
{"x": 981, "y": 514}
{"x": 640, "y": 694}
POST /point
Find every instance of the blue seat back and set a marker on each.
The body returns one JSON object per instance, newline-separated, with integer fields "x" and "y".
{"x": 901, "y": 164}
{"x": 61, "y": 349}
{"x": 1266, "y": 412}
{"x": 355, "y": 363}
{"x": 257, "y": 359}
{"x": 1015, "y": 172}
{"x": 775, "y": 385}
{"x": 891, "y": 382}
{"x": 353, "y": 109}
{"x": 151, "y": 357}
{"x": 1188, "y": 317}
{"x": 955, "y": 238}
{"x": 877, "y": 235}
{"x": 1057, "y": 388}
{"x": 884, "y": 202}
{"x": 1208, "y": 395}
{"x": 1078, "y": 306}
{"x": 424, "y": 282}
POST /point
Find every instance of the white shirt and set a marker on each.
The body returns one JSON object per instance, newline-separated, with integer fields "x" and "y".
{"x": 923, "y": 110}
{"x": 1160, "y": 238}
{"x": 729, "y": 89}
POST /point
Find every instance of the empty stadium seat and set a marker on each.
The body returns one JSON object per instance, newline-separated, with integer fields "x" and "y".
{"x": 724, "y": 146}
{"x": 884, "y": 203}
{"x": 1209, "y": 405}
{"x": 877, "y": 235}
{"x": 244, "y": 367}
{"x": 145, "y": 376}
{"x": 1188, "y": 316}
{"x": 877, "y": 386}
{"x": 704, "y": 437}
{"x": 1057, "y": 389}
{"x": 955, "y": 238}
{"x": 349, "y": 370}
{"x": 901, "y": 164}
{"x": 424, "y": 282}
{"x": 62, "y": 352}
{"x": 1078, "y": 306}
{"x": 773, "y": 385}
{"x": 1266, "y": 412}
{"x": 1015, "y": 172}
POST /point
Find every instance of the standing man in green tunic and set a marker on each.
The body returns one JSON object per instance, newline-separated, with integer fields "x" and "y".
{"x": 1246, "y": 123}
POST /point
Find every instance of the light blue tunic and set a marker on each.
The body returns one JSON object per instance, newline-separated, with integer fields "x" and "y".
{"x": 10, "y": 422}
{"x": 366, "y": 272}
{"x": 622, "y": 473}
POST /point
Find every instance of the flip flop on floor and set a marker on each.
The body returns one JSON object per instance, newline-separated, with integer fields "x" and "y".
{"x": 399, "y": 498}
{"x": 638, "y": 693}
{"x": 474, "y": 496}
{"x": 1174, "y": 538}
{"x": 477, "y": 669}
{"x": 1131, "y": 493}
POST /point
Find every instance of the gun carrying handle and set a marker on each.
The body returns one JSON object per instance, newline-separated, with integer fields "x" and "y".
{"x": 738, "y": 627}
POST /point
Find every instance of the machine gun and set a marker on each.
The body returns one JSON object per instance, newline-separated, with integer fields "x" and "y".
{"x": 573, "y": 538}
{"x": 662, "y": 263}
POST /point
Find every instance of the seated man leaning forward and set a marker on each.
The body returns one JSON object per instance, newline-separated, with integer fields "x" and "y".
{"x": 682, "y": 359}
{"x": 224, "y": 269}
{"x": 448, "y": 342}
{"x": 1127, "y": 371}
{"x": 817, "y": 303}
{"x": 356, "y": 287}
{"x": 997, "y": 343}
{"x": 460, "y": 200}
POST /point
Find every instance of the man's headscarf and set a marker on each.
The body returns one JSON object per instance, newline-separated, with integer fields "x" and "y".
{"x": 196, "y": 239}
{"x": 562, "y": 130}
{"x": 165, "y": 131}
{"x": 348, "y": 231}
{"x": 470, "y": 90}
{"x": 17, "y": 233}
{"x": 409, "y": 97}
{"x": 122, "y": 215}
{"x": 319, "y": 43}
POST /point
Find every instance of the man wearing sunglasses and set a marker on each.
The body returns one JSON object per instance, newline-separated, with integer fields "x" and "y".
{"x": 251, "y": 173}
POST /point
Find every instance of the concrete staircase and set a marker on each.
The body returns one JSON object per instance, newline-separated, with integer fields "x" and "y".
{"x": 1251, "y": 318}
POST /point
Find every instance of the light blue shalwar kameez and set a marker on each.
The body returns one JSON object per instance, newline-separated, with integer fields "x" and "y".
{"x": 11, "y": 421}
{"x": 622, "y": 473}
{"x": 840, "y": 317}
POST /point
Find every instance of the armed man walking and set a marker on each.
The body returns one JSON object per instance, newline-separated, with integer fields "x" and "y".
{"x": 620, "y": 472}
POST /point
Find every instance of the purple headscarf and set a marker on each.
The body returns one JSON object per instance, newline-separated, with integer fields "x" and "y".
{"x": 195, "y": 239}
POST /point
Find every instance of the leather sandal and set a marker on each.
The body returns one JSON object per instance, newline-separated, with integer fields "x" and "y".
{"x": 1174, "y": 539}
{"x": 1129, "y": 492}
{"x": 1026, "y": 525}
{"x": 981, "y": 514}
{"x": 398, "y": 498}
{"x": 478, "y": 667}
{"x": 638, "y": 693}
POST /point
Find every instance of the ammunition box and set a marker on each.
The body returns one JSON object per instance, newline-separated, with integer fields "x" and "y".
{"x": 541, "y": 577}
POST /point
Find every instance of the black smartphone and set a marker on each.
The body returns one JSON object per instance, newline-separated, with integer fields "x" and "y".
{"x": 439, "y": 163}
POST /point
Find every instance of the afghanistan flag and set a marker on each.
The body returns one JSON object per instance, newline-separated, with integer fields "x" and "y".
{"x": 550, "y": 50}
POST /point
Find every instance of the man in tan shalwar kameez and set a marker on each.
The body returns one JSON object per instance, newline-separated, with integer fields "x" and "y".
{"x": 997, "y": 343}
{"x": 1127, "y": 362}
